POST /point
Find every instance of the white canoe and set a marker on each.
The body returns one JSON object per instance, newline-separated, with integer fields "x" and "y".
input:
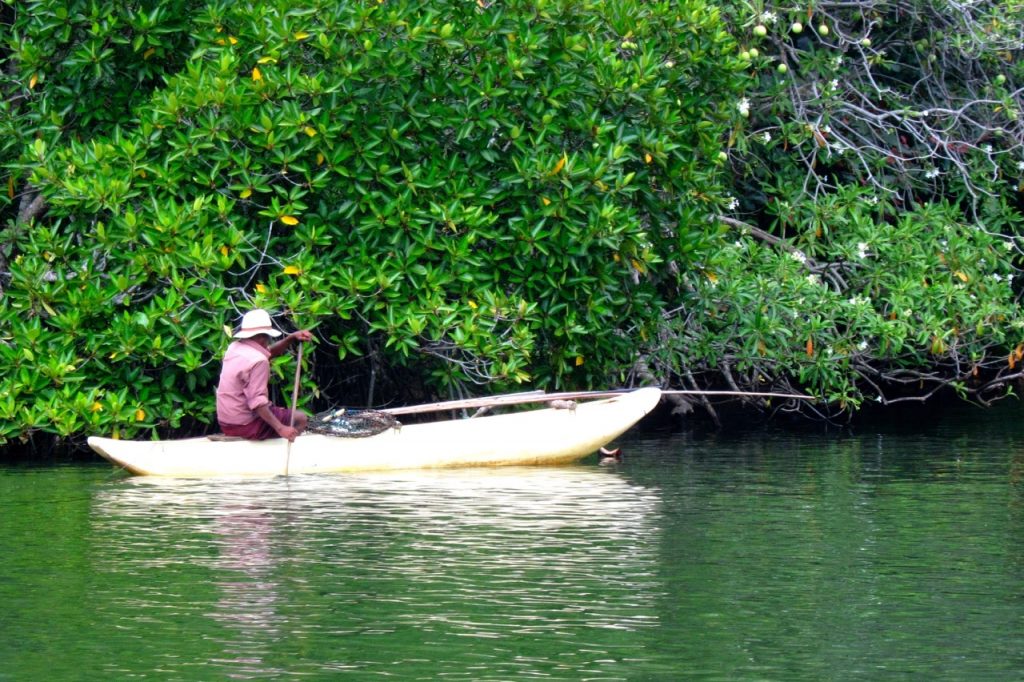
{"x": 544, "y": 436}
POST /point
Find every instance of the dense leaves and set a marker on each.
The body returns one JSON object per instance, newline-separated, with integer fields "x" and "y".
{"x": 479, "y": 193}
{"x": 471, "y": 196}
{"x": 874, "y": 237}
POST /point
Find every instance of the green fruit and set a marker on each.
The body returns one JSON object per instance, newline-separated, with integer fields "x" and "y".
{"x": 722, "y": 157}
{"x": 760, "y": 31}
{"x": 782, "y": 68}
{"x": 1000, "y": 79}
{"x": 797, "y": 27}
{"x": 823, "y": 30}
{"x": 865, "y": 42}
{"x": 754, "y": 53}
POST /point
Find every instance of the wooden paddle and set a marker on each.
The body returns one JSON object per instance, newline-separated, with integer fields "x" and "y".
{"x": 295, "y": 400}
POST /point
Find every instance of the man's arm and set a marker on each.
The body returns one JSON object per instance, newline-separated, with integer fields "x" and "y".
{"x": 283, "y": 430}
{"x": 282, "y": 345}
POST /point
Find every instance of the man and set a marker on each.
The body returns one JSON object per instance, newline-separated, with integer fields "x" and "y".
{"x": 243, "y": 404}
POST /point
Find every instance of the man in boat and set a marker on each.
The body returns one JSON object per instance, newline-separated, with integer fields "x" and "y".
{"x": 243, "y": 404}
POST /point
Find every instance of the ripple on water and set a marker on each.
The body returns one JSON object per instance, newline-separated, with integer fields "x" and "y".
{"x": 505, "y": 572}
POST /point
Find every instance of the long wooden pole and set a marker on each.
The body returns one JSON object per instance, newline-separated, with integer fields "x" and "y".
{"x": 540, "y": 397}
{"x": 295, "y": 400}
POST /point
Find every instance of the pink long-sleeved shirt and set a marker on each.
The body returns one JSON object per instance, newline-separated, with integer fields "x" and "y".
{"x": 243, "y": 382}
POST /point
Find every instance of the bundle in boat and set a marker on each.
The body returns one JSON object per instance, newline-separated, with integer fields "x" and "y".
{"x": 347, "y": 423}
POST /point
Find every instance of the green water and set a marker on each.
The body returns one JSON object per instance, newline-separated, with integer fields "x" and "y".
{"x": 760, "y": 557}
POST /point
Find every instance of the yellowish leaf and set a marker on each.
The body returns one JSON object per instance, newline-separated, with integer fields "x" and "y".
{"x": 149, "y": 53}
{"x": 224, "y": 250}
{"x": 260, "y": 288}
{"x": 233, "y": 40}
{"x": 712, "y": 277}
{"x": 140, "y": 414}
{"x": 638, "y": 266}
{"x": 963, "y": 277}
{"x": 289, "y": 220}
{"x": 471, "y": 303}
{"x": 616, "y": 257}
{"x": 96, "y": 407}
{"x": 319, "y": 159}
{"x": 292, "y": 270}
{"x": 32, "y": 81}
{"x": 10, "y": 187}
{"x": 266, "y": 60}
{"x": 761, "y": 348}
{"x": 579, "y": 360}
{"x": 301, "y": 35}
{"x": 310, "y": 130}
{"x": 227, "y": 331}
{"x": 246, "y": 193}
{"x": 560, "y": 165}
{"x": 547, "y": 202}
{"x": 810, "y": 348}
{"x": 648, "y": 158}
{"x": 256, "y": 74}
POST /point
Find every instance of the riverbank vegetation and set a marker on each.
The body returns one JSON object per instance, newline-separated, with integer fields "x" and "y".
{"x": 474, "y": 197}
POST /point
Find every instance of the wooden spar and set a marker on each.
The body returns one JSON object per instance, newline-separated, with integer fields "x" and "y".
{"x": 541, "y": 396}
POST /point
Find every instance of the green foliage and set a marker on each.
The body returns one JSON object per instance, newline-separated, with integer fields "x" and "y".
{"x": 897, "y": 289}
{"x": 877, "y": 212}
{"x": 486, "y": 193}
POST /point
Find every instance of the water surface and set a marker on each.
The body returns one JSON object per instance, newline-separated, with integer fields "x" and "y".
{"x": 766, "y": 556}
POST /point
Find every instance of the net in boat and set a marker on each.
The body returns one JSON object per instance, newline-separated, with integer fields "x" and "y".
{"x": 352, "y": 423}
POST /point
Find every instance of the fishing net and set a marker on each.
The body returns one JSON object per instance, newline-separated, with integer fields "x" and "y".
{"x": 352, "y": 423}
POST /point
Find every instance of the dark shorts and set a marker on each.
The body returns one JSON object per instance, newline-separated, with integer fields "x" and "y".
{"x": 258, "y": 429}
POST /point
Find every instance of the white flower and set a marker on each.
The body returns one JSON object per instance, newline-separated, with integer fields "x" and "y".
{"x": 769, "y": 17}
{"x": 932, "y": 173}
{"x": 744, "y": 106}
{"x": 987, "y": 149}
{"x": 839, "y": 60}
{"x": 997, "y": 277}
{"x": 813, "y": 279}
{"x": 798, "y": 256}
{"x": 1008, "y": 245}
{"x": 1020, "y": 165}
{"x": 834, "y": 84}
{"x": 767, "y": 137}
{"x": 862, "y": 249}
{"x": 733, "y": 204}
{"x": 862, "y": 346}
{"x": 873, "y": 200}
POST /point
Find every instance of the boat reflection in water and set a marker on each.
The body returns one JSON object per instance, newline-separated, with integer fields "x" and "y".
{"x": 380, "y": 572}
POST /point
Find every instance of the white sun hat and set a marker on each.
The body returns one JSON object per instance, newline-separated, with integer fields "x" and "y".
{"x": 254, "y": 323}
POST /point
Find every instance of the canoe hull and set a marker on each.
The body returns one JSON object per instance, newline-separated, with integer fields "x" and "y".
{"x": 538, "y": 437}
